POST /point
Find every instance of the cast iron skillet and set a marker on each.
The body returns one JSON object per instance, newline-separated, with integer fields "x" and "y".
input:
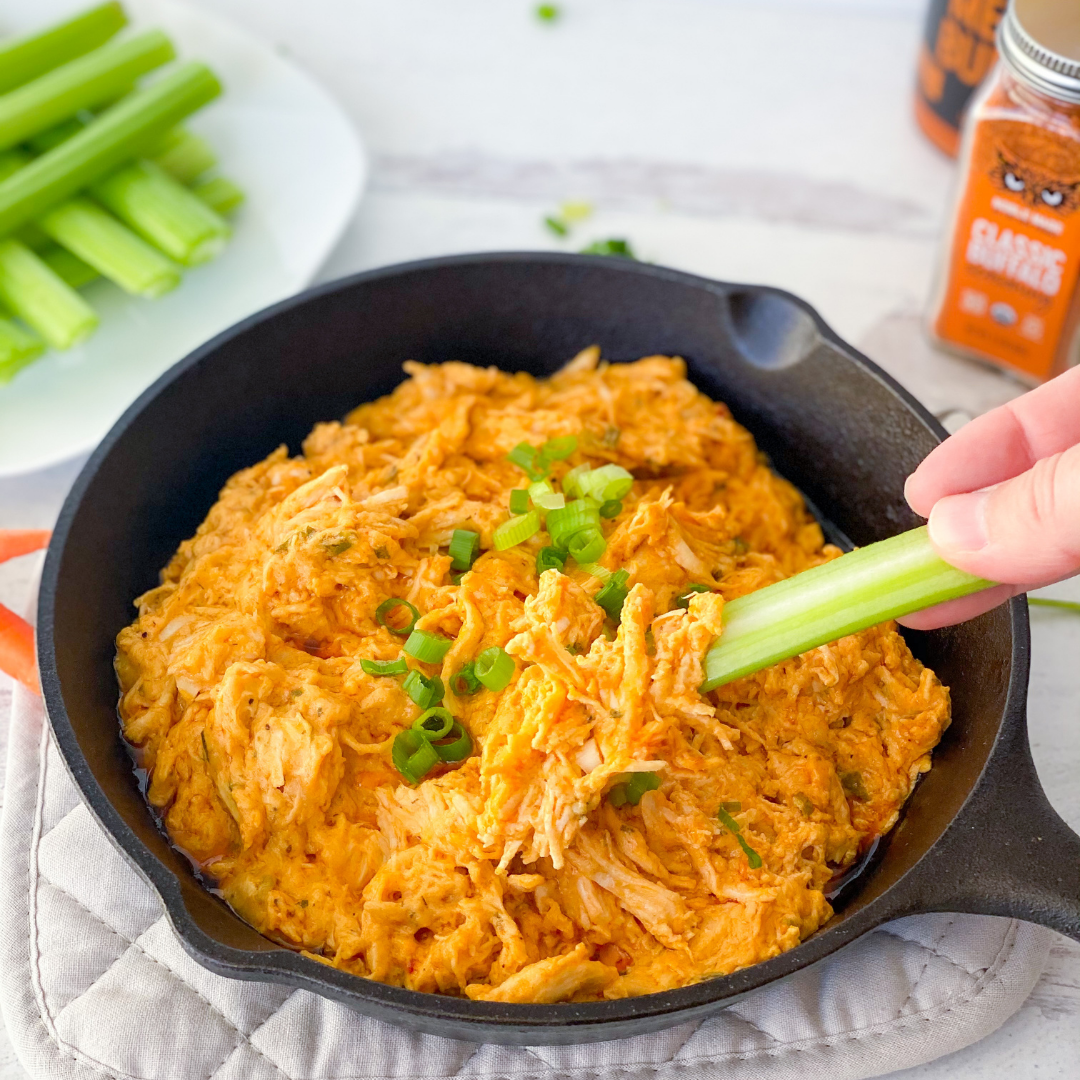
{"x": 978, "y": 834}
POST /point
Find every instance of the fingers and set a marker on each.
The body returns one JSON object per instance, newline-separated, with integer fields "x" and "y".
{"x": 967, "y": 607}
{"x": 1000, "y": 444}
{"x": 1024, "y": 530}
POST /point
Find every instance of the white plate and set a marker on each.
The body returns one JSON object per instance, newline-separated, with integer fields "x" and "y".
{"x": 300, "y": 162}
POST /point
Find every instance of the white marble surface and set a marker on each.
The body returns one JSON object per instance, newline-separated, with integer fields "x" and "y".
{"x": 768, "y": 141}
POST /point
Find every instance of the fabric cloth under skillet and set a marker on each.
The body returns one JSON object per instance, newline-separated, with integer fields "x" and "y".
{"x": 94, "y": 984}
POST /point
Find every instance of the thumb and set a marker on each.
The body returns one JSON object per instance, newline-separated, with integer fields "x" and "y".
{"x": 1025, "y": 531}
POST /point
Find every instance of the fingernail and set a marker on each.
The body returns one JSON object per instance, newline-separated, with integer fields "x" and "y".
{"x": 958, "y": 522}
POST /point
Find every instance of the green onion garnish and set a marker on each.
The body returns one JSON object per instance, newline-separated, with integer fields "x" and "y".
{"x": 388, "y": 605}
{"x": 384, "y": 667}
{"x": 525, "y": 458}
{"x": 559, "y": 449}
{"x": 519, "y": 501}
{"x": 608, "y": 483}
{"x": 852, "y": 783}
{"x": 516, "y": 531}
{"x": 423, "y": 691}
{"x": 854, "y": 592}
{"x": 456, "y": 746}
{"x": 495, "y": 668}
{"x": 587, "y": 545}
{"x": 683, "y": 599}
{"x": 632, "y": 788}
{"x": 549, "y": 558}
{"x": 413, "y": 756}
{"x": 733, "y": 807}
{"x": 611, "y": 508}
{"x": 463, "y": 547}
{"x": 426, "y": 647}
{"x": 465, "y": 683}
{"x": 601, "y": 573}
{"x": 613, "y": 595}
{"x": 729, "y": 823}
{"x": 570, "y": 520}
{"x": 434, "y": 723}
{"x": 544, "y": 497}
{"x": 571, "y": 481}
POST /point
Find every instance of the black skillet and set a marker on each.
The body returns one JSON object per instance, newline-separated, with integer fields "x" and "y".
{"x": 978, "y": 835}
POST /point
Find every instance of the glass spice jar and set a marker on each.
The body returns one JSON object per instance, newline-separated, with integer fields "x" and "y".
{"x": 1007, "y": 283}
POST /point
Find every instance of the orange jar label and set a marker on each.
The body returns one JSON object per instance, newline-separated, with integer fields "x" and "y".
{"x": 1014, "y": 260}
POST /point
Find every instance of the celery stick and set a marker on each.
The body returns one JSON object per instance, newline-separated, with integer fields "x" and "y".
{"x": 68, "y": 267}
{"x": 34, "y": 293}
{"x": 163, "y": 211}
{"x": 45, "y": 140}
{"x": 113, "y": 250}
{"x": 11, "y": 161}
{"x": 89, "y": 81}
{"x": 184, "y": 155}
{"x": 18, "y": 348}
{"x": 860, "y": 589}
{"x": 25, "y": 58}
{"x": 219, "y": 193}
{"x": 110, "y": 139}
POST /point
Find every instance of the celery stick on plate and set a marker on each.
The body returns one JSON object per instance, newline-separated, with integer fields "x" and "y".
{"x": 17, "y": 349}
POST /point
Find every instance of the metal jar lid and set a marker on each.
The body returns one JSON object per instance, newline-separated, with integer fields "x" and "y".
{"x": 1040, "y": 41}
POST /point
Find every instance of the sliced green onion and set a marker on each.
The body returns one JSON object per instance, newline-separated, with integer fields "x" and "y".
{"x": 384, "y": 667}
{"x": 612, "y": 508}
{"x": 413, "y": 756}
{"x": 601, "y": 573}
{"x": 608, "y": 483}
{"x": 683, "y": 599}
{"x": 852, "y": 783}
{"x": 220, "y": 194}
{"x": 465, "y": 683}
{"x": 426, "y": 647}
{"x": 806, "y": 807}
{"x": 549, "y": 558}
{"x": 617, "y": 795}
{"x": 571, "y": 482}
{"x": 729, "y": 823}
{"x": 733, "y": 807}
{"x": 526, "y": 458}
{"x": 423, "y": 691}
{"x": 41, "y": 299}
{"x": 613, "y": 595}
{"x": 559, "y": 449}
{"x": 434, "y": 723}
{"x": 519, "y": 501}
{"x": 456, "y": 746}
{"x": 18, "y": 348}
{"x": 516, "y": 531}
{"x": 495, "y": 668}
{"x": 544, "y": 498}
{"x": 587, "y": 545}
{"x": 463, "y": 547}
{"x": 388, "y": 605}
{"x": 29, "y": 56}
{"x": 638, "y": 783}
{"x": 571, "y": 519}
{"x": 861, "y": 589}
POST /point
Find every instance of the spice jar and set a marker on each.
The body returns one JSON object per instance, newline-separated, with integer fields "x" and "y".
{"x": 1007, "y": 282}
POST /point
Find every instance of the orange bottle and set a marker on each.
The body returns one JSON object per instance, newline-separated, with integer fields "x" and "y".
{"x": 1007, "y": 287}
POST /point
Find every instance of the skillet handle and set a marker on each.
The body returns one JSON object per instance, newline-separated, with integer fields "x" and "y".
{"x": 1008, "y": 852}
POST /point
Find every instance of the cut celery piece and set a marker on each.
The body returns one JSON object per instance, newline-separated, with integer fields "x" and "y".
{"x": 86, "y": 83}
{"x": 108, "y": 141}
{"x": 883, "y": 581}
{"x": 41, "y": 299}
{"x": 66, "y": 266}
{"x": 220, "y": 194}
{"x": 184, "y": 155}
{"x": 163, "y": 211}
{"x": 31, "y": 55}
{"x": 18, "y": 348}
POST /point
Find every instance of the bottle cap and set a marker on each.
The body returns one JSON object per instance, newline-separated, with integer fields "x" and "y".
{"x": 1040, "y": 42}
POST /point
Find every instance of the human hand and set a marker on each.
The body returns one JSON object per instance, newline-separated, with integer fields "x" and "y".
{"x": 1003, "y": 498}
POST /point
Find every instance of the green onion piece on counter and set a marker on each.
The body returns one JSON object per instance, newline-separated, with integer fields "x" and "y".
{"x": 44, "y": 302}
{"x": 683, "y": 599}
{"x": 614, "y": 246}
{"x": 549, "y": 558}
{"x": 220, "y": 194}
{"x": 516, "y": 531}
{"x": 457, "y": 745}
{"x": 547, "y": 12}
{"x": 463, "y": 547}
{"x": 1061, "y": 605}
{"x": 571, "y": 482}
{"x": 112, "y": 249}
{"x": 544, "y": 498}
{"x": 519, "y": 501}
{"x": 601, "y": 573}
{"x": 383, "y": 611}
{"x": 609, "y": 483}
{"x": 434, "y": 723}
{"x": 613, "y": 595}
{"x": 611, "y": 508}
{"x": 587, "y": 545}
{"x": 423, "y": 691}
{"x": 729, "y": 823}
{"x": 88, "y": 82}
{"x": 559, "y": 449}
{"x": 570, "y": 520}
{"x": 32, "y": 55}
{"x": 465, "y": 683}
{"x": 413, "y": 756}
{"x": 163, "y": 211}
{"x": 384, "y": 667}
{"x": 69, "y": 268}
{"x": 109, "y": 140}
{"x": 427, "y": 647}
{"x": 184, "y": 155}
{"x": 18, "y": 348}
{"x": 495, "y": 668}
{"x": 556, "y": 226}
{"x": 858, "y": 590}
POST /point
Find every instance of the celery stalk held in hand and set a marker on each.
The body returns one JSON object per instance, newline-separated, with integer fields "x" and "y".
{"x": 865, "y": 587}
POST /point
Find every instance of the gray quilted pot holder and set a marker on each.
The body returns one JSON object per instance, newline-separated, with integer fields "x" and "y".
{"x": 94, "y": 984}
